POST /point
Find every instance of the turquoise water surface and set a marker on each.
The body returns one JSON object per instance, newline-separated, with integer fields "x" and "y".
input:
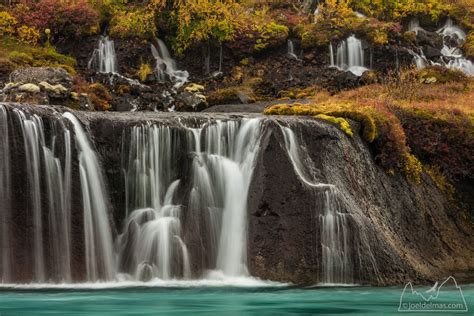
{"x": 269, "y": 300}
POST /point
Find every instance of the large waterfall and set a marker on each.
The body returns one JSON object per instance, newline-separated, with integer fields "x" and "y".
{"x": 172, "y": 205}
{"x": 104, "y": 58}
{"x": 349, "y": 56}
{"x": 184, "y": 184}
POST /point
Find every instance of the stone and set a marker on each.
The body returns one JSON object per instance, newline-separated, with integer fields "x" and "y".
{"x": 36, "y": 75}
{"x": 29, "y": 87}
{"x": 191, "y": 101}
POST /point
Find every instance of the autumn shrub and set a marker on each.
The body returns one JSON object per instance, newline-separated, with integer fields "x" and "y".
{"x": 99, "y": 96}
{"x": 396, "y": 10}
{"x": 7, "y": 24}
{"x": 137, "y": 23}
{"x": 144, "y": 71}
{"x": 335, "y": 21}
{"x": 66, "y": 19}
{"x": 200, "y": 22}
{"x": 442, "y": 137}
{"x": 28, "y": 35}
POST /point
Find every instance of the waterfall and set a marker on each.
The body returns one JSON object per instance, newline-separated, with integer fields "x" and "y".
{"x": 33, "y": 137}
{"x": 5, "y": 198}
{"x": 291, "y": 50}
{"x": 97, "y": 233}
{"x": 104, "y": 58}
{"x": 223, "y": 156}
{"x": 336, "y": 265}
{"x": 349, "y": 56}
{"x": 166, "y": 67}
{"x": 453, "y": 56}
{"x": 414, "y": 26}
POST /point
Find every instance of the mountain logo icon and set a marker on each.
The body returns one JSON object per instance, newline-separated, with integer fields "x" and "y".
{"x": 446, "y": 297}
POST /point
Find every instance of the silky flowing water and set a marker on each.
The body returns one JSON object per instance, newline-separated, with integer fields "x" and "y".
{"x": 204, "y": 300}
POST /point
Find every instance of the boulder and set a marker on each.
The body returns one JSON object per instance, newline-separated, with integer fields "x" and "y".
{"x": 432, "y": 39}
{"x": 187, "y": 101}
{"x": 36, "y": 75}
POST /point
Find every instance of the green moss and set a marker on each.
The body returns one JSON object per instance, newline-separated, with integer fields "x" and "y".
{"x": 24, "y": 55}
{"x": 343, "y": 124}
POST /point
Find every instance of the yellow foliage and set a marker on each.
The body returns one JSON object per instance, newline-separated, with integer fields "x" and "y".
{"x": 7, "y": 24}
{"x": 144, "y": 71}
{"x": 134, "y": 23}
{"x": 28, "y": 35}
{"x": 203, "y": 20}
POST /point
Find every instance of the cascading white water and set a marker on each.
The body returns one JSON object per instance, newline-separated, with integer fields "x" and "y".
{"x": 104, "y": 58}
{"x": 291, "y": 50}
{"x": 100, "y": 263}
{"x": 5, "y": 196}
{"x": 33, "y": 137}
{"x": 223, "y": 157}
{"x": 349, "y": 56}
{"x": 453, "y": 55}
{"x": 166, "y": 67}
{"x": 56, "y": 187}
{"x": 414, "y": 26}
{"x": 151, "y": 241}
{"x": 336, "y": 267}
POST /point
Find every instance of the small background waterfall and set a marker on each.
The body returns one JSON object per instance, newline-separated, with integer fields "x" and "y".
{"x": 452, "y": 57}
{"x": 166, "y": 68}
{"x": 104, "y": 58}
{"x": 349, "y": 56}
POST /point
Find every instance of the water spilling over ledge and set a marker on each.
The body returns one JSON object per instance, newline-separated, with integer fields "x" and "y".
{"x": 161, "y": 197}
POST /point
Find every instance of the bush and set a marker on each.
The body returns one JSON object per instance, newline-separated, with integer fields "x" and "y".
{"x": 335, "y": 22}
{"x": 7, "y": 24}
{"x": 144, "y": 71}
{"x": 137, "y": 23}
{"x": 28, "y": 35}
{"x": 66, "y": 19}
{"x": 99, "y": 96}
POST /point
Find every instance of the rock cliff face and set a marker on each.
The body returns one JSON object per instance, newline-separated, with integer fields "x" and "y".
{"x": 319, "y": 209}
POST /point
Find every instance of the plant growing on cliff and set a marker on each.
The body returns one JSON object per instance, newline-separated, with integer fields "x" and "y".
{"x": 136, "y": 23}
{"x": 204, "y": 21}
